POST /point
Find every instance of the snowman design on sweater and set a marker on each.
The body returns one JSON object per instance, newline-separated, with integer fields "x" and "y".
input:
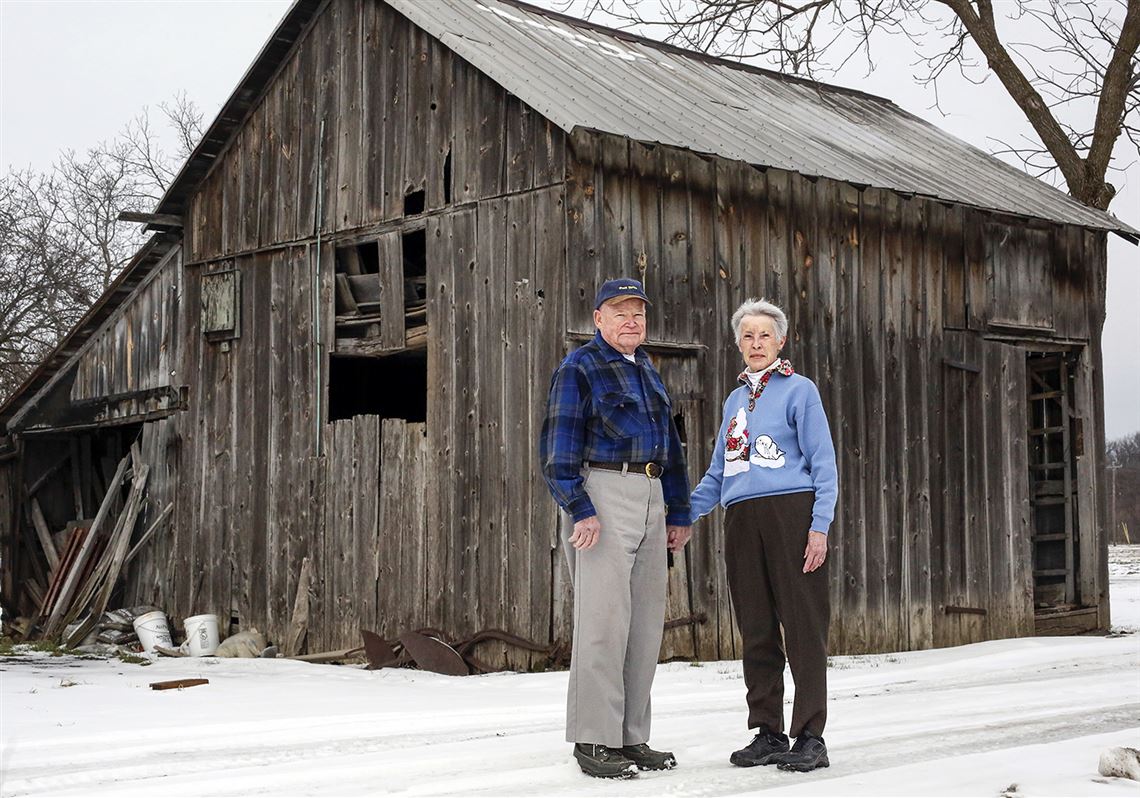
{"x": 740, "y": 452}
{"x": 736, "y": 445}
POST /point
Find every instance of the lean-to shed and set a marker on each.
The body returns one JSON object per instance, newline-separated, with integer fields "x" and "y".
{"x": 338, "y": 343}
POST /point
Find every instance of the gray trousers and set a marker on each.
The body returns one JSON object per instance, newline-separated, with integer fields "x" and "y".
{"x": 619, "y": 610}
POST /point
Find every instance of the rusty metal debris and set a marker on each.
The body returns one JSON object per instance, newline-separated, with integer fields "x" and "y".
{"x": 432, "y": 654}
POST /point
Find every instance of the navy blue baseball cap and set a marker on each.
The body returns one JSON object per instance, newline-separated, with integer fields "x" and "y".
{"x": 621, "y": 288}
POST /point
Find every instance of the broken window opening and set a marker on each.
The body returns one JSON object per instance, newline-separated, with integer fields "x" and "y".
{"x": 414, "y": 202}
{"x": 394, "y": 386}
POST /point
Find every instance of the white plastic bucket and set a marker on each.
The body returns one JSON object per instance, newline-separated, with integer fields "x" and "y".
{"x": 153, "y": 631}
{"x": 201, "y": 635}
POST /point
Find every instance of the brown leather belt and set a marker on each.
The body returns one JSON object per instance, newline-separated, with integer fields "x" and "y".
{"x": 651, "y": 470}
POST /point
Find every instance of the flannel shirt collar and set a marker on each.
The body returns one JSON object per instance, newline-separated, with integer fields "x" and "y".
{"x": 611, "y": 354}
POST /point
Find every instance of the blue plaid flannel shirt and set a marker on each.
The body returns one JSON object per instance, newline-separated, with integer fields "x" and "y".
{"x": 602, "y": 408}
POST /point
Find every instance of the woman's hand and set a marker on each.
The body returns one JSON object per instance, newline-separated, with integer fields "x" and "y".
{"x": 816, "y": 551}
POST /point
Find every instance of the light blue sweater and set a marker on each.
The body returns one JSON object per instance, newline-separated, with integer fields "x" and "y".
{"x": 786, "y": 449}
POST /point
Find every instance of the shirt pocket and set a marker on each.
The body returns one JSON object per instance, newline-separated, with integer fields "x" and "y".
{"x": 621, "y": 414}
{"x": 664, "y": 403}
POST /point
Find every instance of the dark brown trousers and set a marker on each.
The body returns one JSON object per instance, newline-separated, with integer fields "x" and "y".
{"x": 764, "y": 554}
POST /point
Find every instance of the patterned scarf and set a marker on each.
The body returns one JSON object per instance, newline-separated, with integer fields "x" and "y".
{"x": 783, "y": 365}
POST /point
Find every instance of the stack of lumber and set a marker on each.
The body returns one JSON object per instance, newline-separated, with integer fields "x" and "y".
{"x": 84, "y": 574}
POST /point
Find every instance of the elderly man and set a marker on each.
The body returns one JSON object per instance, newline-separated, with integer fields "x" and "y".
{"x": 612, "y": 457}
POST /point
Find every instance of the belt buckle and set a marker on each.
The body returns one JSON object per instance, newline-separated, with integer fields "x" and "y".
{"x": 653, "y": 471}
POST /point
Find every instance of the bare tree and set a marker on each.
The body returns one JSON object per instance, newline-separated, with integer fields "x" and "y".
{"x": 1079, "y": 91}
{"x": 61, "y": 243}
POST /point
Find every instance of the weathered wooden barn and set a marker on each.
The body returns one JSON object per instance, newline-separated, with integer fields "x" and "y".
{"x": 337, "y": 345}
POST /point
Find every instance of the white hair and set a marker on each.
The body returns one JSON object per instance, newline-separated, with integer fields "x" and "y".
{"x": 759, "y": 307}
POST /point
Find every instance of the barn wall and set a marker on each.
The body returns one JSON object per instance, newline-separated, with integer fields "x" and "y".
{"x": 905, "y": 313}
{"x": 264, "y": 481}
{"x": 139, "y": 349}
{"x": 367, "y": 109}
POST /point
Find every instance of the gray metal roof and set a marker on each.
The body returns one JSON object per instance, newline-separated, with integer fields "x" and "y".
{"x": 582, "y": 75}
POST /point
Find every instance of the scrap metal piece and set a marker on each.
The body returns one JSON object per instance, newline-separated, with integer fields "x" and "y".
{"x": 434, "y": 655}
{"x": 379, "y": 653}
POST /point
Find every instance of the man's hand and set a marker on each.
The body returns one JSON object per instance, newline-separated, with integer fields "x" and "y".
{"x": 677, "y": 536}
{"x": 586, "y": 533}
{"x": 816, "y": 551}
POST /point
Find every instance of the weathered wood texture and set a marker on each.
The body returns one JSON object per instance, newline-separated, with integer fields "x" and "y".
{"x": 889, "y": 301}
{"x": 139, "y": 348}
{"x": 367, "y": 111}
{"x": 913, "y": 318}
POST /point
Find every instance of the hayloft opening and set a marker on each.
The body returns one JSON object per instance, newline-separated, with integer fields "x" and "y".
{"x": 394, "y": 386}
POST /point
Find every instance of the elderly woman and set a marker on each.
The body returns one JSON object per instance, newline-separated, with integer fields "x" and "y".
{"x": 773, "y": 468}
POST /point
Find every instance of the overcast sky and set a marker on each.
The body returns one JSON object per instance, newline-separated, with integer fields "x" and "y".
{"x": 73, "y": 73}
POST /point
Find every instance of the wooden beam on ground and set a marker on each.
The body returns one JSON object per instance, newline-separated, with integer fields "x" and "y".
{"x": 178, "y": 684}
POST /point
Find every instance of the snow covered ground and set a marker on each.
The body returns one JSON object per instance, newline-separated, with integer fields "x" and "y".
{"x": 1025, "y": 717}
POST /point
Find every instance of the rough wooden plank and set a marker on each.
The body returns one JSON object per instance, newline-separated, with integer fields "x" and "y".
{"x": 462, "y": 443}
{"x": 520, "y": 141}
{"x": 43, "y": 533}
{"x": 549, "y": 150}
{"x": 670, "y": 286}
{"x": 366, "y": 487}
{"x": 921, "y": 280}
{"x": 391, "y": 290}
{"x": 490, "y": 464}
{"x": 442, "y": 373}
{"x": 350, "y": 120}
{"x": 547, "y": 323}
{"x": 420, "y": 468}
{"x": 583, "y": 244}
{"x": 419, "y": 80}
{"x": 395, "y": 114}
{"x": 326, "y": 121}
{"x": 375, "y": 138}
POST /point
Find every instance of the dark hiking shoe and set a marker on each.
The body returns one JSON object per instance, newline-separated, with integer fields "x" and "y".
{"x": 764, "y": 746}
{"x": 602, "y": 762}
{"x": 808, "y": 753}
{"x": 647, "y": 759}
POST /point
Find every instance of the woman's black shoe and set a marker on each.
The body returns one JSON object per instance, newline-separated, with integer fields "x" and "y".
{"x": 603, "y": 762}
{"x": 761, "y": 751}
{"x": 808, "y": 753}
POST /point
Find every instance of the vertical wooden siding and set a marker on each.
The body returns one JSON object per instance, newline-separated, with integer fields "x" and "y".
{"x": 933, "y": 502}
{"x": 400, "y": 114}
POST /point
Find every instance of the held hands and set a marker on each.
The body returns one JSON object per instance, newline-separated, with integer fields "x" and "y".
{"x": 816, "y": 551}
{"x": 586, "y": 532}
{"x": 677, "y": 536}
